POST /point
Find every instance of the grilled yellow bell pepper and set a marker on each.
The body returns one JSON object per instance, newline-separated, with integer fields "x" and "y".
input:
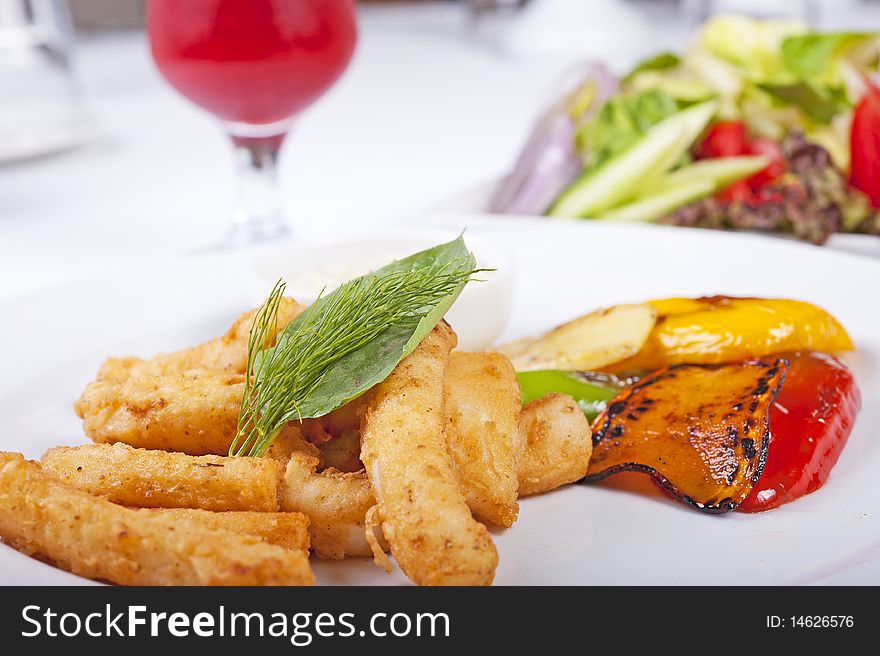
{"x": 721, "y": 329}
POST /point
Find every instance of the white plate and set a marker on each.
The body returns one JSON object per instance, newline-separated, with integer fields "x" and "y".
{"x": 476, "y": 200}
{"x": 53, "y": 342}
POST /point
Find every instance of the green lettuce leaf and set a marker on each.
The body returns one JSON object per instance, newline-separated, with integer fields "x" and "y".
{"x": 753, "y": 46}
{"x": 819, "y": 105}
{"x": 812, "y": 55}
{"x": 659, "y": 62}
{"x": 621, "y": 122}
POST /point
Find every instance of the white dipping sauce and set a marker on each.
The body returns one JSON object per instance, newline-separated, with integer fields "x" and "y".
{"x": 479, "y": 316}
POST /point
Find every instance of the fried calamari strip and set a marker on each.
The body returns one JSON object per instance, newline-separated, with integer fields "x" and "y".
{"x": 424, "y": 517}
{"x": 482, "y": 401}
{"x": 285, "y": 529}
{"x": 558, "y": 444}
{"x": 336, "y": 502}
{"x": 89, "y": 536}
{"x": 159, "y": 479}
{"x": 288, "y": 440}
{"x": 227, "y": 353}
{"x": 186, "y": 401}
{"x": 194, "y": 413}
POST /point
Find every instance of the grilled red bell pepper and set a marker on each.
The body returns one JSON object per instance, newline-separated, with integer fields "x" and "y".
{"x": 809, "y": 424}
{"x": 865, "y": 145}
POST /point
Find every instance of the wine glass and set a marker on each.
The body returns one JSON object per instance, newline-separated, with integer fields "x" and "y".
{"x": 255, "y": 65}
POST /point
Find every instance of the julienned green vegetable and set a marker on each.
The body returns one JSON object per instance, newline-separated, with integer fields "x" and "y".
{"x": 345, "y": 342}
{"x": 652, "y": 207}
{"x": 592, "y": 391}
{"x": 719, "y": 171}
{"x": 685, "y": 185}
{"x": 622, "y": 177}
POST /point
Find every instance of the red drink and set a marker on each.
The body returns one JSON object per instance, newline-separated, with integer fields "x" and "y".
{"x": 254, "y": 64}
{"x": 252, "y": 61}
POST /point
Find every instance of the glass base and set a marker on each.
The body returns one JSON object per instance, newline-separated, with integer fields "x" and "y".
{"x": 269, "y": 134}
{"x": 258, "y": 216}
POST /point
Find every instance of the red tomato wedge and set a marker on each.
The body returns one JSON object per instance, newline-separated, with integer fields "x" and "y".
{"x": 865, "y": 145}
{"x": 724, "y": 139}
{"x": 810, "y": 422}
{"x": 774, "y": 170}
{"x": 731, "y": 139}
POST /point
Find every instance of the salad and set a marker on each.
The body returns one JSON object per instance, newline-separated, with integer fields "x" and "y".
{"x": 761, "y": 125}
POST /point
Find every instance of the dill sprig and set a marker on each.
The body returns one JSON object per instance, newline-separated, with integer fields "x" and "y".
{"x": 280, "y": 378}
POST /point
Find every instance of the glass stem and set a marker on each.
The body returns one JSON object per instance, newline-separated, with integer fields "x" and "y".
{"x": 258, "y": 215}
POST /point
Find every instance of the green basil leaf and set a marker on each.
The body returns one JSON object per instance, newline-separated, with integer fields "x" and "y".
{"x": 355, "y": 373}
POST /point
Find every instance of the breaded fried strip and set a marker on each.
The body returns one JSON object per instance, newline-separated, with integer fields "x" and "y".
{"x": 558, "y": 444}
{"x": 288, "y": 440}
{"x": 285, "y": 529}
{"x": 227, "y": 353}
{"x": 423, "y": 514}
{"x": 89, "y": 536}
{"x": 335, "y": 502}
{"x": 158, "y": 479}
{"x": 194, "y": 413}
{"x": 482, "y": 427}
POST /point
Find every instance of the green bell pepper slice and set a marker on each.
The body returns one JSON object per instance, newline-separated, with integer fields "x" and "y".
{"x": 591, "y": 390}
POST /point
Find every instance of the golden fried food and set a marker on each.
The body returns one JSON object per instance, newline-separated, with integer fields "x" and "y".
{"x": 482, "y": 401}
{"x": 227, "y": 353}
{"x": 423, "y": 514}
{"x": 160, "y": 479}
{"x": 89, "y": 536}
{"x": 336, "y": 503}
{"x": 187, "y": 401}
{"x": 558, "y": 444}
{"x": 288, "y": 440}
{"x": 195, "y": 412}
{"x": 285, "y": 529}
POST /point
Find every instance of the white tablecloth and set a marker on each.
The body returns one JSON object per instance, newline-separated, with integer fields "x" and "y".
{"x": 423, "y": 112}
